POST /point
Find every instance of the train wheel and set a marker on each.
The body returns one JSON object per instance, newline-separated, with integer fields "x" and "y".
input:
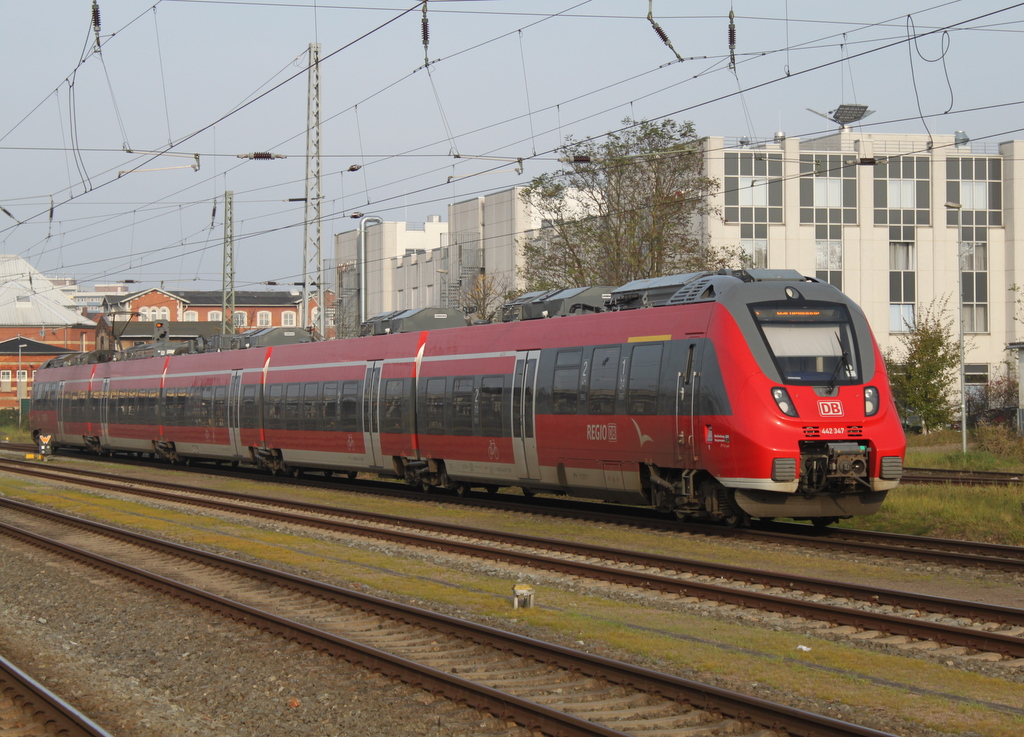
{"x": 824, "y": 521}
{"x": 732, "y": 515}
{"x": 328, "y": 473}
{"x": 491, "y": 488}
{"x": 351, "y": 475}
{"x": 297, "y": 473}
{"x": 529, "y": 493}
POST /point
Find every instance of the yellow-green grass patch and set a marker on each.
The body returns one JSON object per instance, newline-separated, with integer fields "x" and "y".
{"x": 595, "y": 619}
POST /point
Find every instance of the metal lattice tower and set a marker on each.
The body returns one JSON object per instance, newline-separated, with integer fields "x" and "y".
{"x": 227, "y": 309}
{"x": 312, "y": 257}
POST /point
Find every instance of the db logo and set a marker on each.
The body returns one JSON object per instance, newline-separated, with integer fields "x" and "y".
{"x": 830, "y": 408}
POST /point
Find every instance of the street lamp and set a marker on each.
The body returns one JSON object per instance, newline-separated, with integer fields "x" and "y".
{"x": 361, "y": 258}
{"x": 961, "y": 251}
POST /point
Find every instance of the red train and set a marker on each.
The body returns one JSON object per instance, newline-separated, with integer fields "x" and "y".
{"x": 724, "y": 395}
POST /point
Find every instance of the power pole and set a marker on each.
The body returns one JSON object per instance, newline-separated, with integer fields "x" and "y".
{"x": 227, "y": 309}
{"x": 312, "y": 257}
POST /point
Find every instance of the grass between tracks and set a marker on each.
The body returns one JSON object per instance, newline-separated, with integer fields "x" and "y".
{"x": 755, "y": 659}
{"x": 993, "y": 514}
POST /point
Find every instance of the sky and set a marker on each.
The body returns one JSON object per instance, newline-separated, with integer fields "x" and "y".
{"x": 99, "y": 146}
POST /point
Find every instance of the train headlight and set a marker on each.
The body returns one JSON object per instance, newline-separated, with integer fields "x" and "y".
{"x": 870, "y": 401}
{"x": 781, "y": 397}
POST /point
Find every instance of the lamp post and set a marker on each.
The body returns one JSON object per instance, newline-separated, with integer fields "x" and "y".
{"x": 361, "y": 258}
{"x": 961, "y": 251}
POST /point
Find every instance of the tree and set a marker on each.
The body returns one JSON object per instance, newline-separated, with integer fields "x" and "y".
{"x": 923, "y": 368}
{"x": 485, "y": 296}
{"x": 627, "y": 208}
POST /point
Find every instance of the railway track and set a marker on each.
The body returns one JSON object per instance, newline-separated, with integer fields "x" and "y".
{"x": 29, "y": 709}
{"x": 964, "y": 477}
{"x": 911, "y": 621}
{"x": 1007, "y": 558}
{"x": 557, "y": 690}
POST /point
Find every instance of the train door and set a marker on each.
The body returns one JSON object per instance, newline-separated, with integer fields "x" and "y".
{"x": 524, "y": 439}
{"x": 62, "y": 411}
{"x": 235, "y": 411}
{"x": 687, "y": 407}
{"x": 105, "y": 413}
{"x": 371, "y": 413}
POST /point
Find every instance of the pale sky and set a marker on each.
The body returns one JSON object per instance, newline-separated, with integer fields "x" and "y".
{"x": 507, "y": 79}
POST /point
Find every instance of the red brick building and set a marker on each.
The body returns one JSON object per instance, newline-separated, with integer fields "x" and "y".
{"x": 37, "y": 322}
{"x": 253, "y": 309}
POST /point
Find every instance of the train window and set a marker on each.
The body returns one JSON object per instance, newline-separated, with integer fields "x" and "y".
{"x": 292, "y": 410}
{"x": 166, "y": 404}
{"x": 565, "y": 390}
{"x": 330, "y": 409}
{"x": 566, "y": 383}
{"x": 180, "y": 399}
{"x": 645, "y": 368}
{"x": 433, "y": 407}
{"x": 602, "y": 381}
{"x": 462, "y": 407}
{"x": 275, "y": 411}
{"x": 350, "y": 406}
{"x": 810, "y": 343}
{"x": 220, "y": 406}
{"x": 250, "y": 414}
{"x": 393, "y": 406}
{"x": 310, "y": 399}
{"x": 492, "y": 420}
{"x": 568, "y": 358}
{"x": 205, "y": 416}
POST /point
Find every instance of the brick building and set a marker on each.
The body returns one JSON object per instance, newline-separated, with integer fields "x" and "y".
{"x": 37, "y": 322}
{"x": 252, "y": 308}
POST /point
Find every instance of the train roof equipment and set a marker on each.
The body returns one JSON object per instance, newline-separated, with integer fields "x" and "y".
{"x": 410, "y": 321}
{"x": 556, "y": 303}
{"x": 699, "y": 286}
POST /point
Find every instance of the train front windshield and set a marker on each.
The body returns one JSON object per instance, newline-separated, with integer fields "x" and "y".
{"x": 810, "y": 343}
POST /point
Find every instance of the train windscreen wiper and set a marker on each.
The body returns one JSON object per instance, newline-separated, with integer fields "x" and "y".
{"x": 844, "y": 361}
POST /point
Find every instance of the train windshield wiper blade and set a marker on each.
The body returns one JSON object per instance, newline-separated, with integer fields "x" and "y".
{"x": 844, "y": 360}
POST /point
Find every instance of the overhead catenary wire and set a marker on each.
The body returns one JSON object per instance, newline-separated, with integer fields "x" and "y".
{"x": 559, "y": 127}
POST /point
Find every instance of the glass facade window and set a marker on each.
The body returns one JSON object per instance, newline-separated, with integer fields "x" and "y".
{"x": 828, "y": 189}
{"x": 755, "y": 251}
{"x": 975, "y": 182}
{"x": 903, "y": 195}
{"x": 975, "y": 381}
{"x": 974, "y": 286}
{"x": 828, "y": 261}
{"x": 902, "y": 287}
{"x": 753, "y": 187}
